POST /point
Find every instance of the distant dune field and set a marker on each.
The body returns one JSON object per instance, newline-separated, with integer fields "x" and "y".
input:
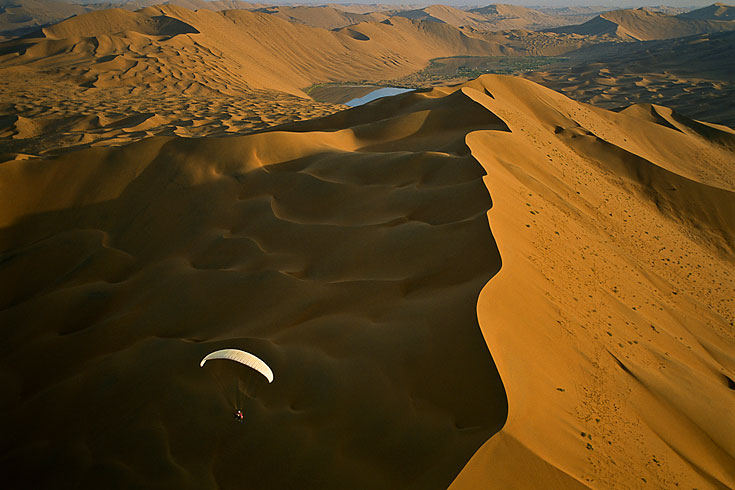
{"x": 646, "y": 25}
{"x": 113, "y": 76}
{"x": 695, "y": 75}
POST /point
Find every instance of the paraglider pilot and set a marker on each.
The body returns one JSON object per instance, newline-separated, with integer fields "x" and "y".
{"x": 249, "y": 360}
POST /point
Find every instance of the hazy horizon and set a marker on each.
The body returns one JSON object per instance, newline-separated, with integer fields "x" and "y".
{"x": 463, "y": 3}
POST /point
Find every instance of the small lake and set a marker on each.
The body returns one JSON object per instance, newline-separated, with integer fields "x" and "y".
{"x": 377, "y": 94}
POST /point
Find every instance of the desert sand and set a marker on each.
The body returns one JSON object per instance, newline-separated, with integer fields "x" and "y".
{"x": 483, "y": 285}
{"x": 494, "y": 17}
{"x": 619, "y": 374}
{"x": 645, "y": 24}
{"x": 328, "y": 17}
{"x": 24, "y": 16}
{"x": 694, "y": 75}
{"x": 367, "y": 306}
{"x": 115, "y": 76}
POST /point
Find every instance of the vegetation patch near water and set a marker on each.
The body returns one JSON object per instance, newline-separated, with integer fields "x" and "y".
{"x": 469, "y": 67}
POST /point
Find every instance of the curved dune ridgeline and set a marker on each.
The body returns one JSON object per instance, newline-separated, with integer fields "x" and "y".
{"x": 353, "y": 255}
{"x": 611, "y": 318}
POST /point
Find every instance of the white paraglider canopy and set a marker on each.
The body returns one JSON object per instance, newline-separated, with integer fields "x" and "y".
{"x": 242, "y": 357}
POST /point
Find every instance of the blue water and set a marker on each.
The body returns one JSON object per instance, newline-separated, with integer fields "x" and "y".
{"x": 377, "y": 94}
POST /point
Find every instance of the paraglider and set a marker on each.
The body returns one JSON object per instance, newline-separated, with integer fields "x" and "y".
{"x": 229, "y": 361}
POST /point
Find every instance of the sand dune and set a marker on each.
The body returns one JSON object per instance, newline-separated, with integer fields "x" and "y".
{"x": 327, "y": 17}
{"x": 209, "y": 73}
{"x": 576, "y": 14}
{"x": 503, "y": 16}
{"x": 354, "y": 336}
{"x": 117, "y": 21}
{"x": 644, "y": 25}
{"x": 244, "y": 49}
{"x": 189, "y": 4}
{"x": 444, "y": 14}
{"x": 716, "y": 11}
{"x": 694, "y": 75}
{"x": 494, "y": 17}
{"x": 647, "y": 325}
{"x": 363, "y": 8}
{"x": 66, "y": 117}
{"x": 349, "y": 252}
{"x": 488, "y": 285}
{"x": 237, "y": 48}
{"x": 18, "y": 17}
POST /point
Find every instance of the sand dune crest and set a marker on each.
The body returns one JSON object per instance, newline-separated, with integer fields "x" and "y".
{"x": 349, "y": 252}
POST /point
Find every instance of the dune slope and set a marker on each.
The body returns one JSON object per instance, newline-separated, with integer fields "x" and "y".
{"x": 233, "y": 50}
{"x": 694, "y": 75}
{"x": 325, "y": 16}
{"x": 644, "y": 25}
{"x": 349, "y": 260}
{"x": 353, "y": 254}
{"x": 611, "y": 318}
{"x": 505, "y": 16}
{"x": 716, "y": 11}
{"x": 18, "y": 17}
{"x": 115, "y": 76}
{"x": 493, "y": 17}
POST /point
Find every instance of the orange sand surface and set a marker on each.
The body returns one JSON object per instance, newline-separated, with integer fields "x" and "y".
{"x": 115, "y": 76}
{"x": 488, "y": 285}
{"x": 392, "y": 263}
